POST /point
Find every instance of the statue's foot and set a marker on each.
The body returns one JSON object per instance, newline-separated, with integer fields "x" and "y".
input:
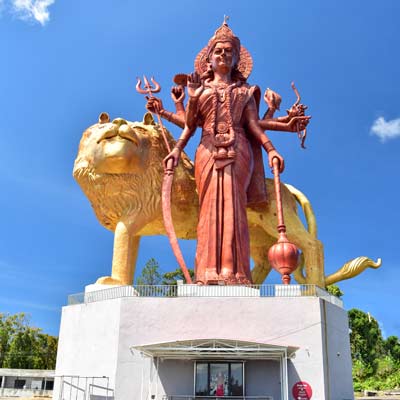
{"x": 243, "y": 280}
{"x": 227, "y": 276}
{"x": 211, "y": 276}
{"x": 108, "y": 280}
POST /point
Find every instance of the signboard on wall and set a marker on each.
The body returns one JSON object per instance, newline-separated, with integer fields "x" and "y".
{"x": 302, "y": 391}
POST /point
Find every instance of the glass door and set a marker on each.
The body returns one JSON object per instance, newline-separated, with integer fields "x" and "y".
{"x": 236, "y": 379}
{"x": 201, "y": 379}
{"x": 219, "y": 379}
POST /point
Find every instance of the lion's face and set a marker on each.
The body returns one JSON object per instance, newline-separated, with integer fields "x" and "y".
{"x": 119, "y": 168}
{"x": 114, "y": 147}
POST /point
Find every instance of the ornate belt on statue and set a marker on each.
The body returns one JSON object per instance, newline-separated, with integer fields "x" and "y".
{"x": 222, "y": 135}
{"x": 224, "y": 140}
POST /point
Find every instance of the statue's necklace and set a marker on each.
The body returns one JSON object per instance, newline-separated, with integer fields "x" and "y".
{"x": 221, "y": 91}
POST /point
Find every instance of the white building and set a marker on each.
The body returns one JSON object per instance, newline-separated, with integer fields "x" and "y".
{"x": 178, "y": 343}
{"x": 26, "y": 382}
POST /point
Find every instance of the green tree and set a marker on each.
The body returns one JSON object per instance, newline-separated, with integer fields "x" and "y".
{"x": 392, "y": 347}
{"x": 335, "y": 290}
{"x": 170, "y": 278}
{"x": 150, "y": 274}
{"x": 9, "y": 326}
{"x": 376, "y": 362}
{"x": 45, "y": 354}
{"x": 366, "y": 340}
{"x": 23, "y": 346}
{"x": 21, "y": 353}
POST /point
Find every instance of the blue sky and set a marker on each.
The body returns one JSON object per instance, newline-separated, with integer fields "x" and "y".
{"x": 64, "y": 62}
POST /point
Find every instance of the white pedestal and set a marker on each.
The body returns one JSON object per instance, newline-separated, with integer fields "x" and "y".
{"x": 105, "y": 339}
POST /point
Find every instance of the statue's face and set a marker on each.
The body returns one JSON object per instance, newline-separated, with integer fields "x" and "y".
{"x": 223, "y": 57}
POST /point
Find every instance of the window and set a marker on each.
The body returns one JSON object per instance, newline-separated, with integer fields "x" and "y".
{"x": 219, "y": 379}
{"x": 49, "y": 385}
{"x": 19, "y": 383}
{"x": 36, "y": 384}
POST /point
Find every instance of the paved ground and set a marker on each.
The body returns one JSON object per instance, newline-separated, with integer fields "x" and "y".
{"x": 381, "y": 397}
{"x": 25, "y": 398}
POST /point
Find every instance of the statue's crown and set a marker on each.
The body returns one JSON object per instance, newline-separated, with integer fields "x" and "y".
{"x": 224, "y": 34}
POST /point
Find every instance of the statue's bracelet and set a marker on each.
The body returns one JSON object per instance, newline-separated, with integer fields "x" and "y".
{"x": 166, "y": 114}
{"x": 268, "y": 146}
{"x": 180, "y": 144}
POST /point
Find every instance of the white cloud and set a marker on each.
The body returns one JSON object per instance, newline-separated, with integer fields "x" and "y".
{"x": 386, "y": 130}
{"x": 32, "y": 9}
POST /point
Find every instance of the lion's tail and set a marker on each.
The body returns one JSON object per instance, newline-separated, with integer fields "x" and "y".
{"x": 352, "y": 268}
{"x": 307, "y": 209}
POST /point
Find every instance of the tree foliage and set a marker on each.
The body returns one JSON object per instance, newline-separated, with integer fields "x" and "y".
{"x": 376, "y": 361}
{"x": 150, "y": 274}
{"x": 23, "y": 346}
{"x": 170, "y": 278}
{"x": 392, "y": 347}
{"x": 365, "y": 338}
{"x": 335, "y": 290}
{"x": 9, "y": 326}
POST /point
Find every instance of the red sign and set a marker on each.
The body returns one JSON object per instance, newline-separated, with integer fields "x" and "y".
{"x": 302, "y": 391}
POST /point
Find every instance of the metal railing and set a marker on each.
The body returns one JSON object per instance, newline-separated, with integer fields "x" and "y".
{"x": 181, "y": 290}
{"x": 75, "y": 387}
{"x": 177, "y": 397}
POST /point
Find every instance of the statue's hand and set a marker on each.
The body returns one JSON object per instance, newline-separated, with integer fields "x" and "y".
{"x": 297, "y": 124}
{"x": 272, "y": 99}
{"x": 154, "y": 104}
{"x": 274, "y": 154}
{"x": 194, "y": 85}
{"x": 297, "y": 110}
{"x": 178, "y": 94}
{"x": 172, "y": 157}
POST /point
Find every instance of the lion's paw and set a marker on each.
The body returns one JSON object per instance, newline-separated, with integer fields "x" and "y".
{"x": 108, "y": 280}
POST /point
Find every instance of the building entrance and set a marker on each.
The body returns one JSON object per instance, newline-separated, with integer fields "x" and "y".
{"x": 219, "y": 378}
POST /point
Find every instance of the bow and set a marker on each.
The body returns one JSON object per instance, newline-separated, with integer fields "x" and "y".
{"x": 166, "y": 183}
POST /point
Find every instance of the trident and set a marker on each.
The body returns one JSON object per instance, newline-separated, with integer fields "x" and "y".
{"x": 167, "y": 181}
{"x": 148, "y": 89}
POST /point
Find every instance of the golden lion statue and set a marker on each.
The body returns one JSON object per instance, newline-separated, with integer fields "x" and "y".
{"x": 119, "y": 168}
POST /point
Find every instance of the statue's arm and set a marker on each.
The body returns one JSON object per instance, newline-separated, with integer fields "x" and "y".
{"x": 178, "y": 95}
{"x": 187, "y": 133}
{"x": 273, "y": 101}
{"x": 195, "y": 88}
{"x": 269, "y": 116}
{"x": 155, "y": 105}
{"x": 175, "y": 153}
{"x": 175, "y": 118}
{"x": 284, "y": 124}
{"x": 251, "y": 122}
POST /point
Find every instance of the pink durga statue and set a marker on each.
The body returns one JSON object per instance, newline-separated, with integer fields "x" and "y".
{"x": 229, "y": 170}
